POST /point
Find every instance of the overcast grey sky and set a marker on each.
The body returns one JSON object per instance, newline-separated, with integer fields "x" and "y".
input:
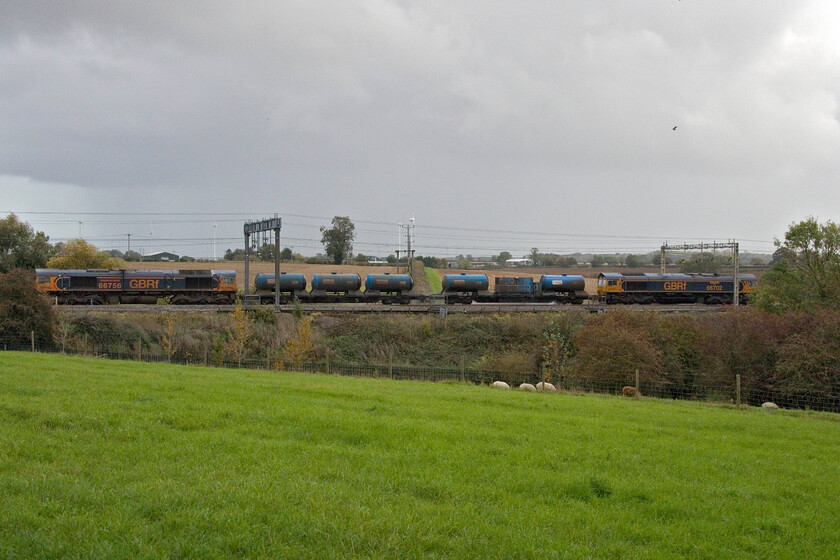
{"x": 551, "y": 121}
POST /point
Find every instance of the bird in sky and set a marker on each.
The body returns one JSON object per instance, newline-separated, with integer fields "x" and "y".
{"x": 675, "y": 128}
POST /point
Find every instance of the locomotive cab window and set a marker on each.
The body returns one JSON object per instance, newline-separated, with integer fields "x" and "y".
{"x": 612, "y": 283}
{"x": 43, "y": 279}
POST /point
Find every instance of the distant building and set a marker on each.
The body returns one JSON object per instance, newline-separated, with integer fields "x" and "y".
{"x": 377, "y": 260}
{"x": 162, "y": 256}
{"x": 519, "y": 262}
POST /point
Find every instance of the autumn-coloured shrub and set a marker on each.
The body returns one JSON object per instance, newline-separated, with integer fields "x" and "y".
{"x": 615, "y": 344}
{"x": 24, "y": 311}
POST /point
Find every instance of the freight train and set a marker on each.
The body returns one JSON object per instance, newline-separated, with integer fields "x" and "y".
{"x": 219, "y": 287}
{"x": 94, "y": 287}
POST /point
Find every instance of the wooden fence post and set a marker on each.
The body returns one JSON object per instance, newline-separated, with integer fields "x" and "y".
{"x": 738, "y": 389}
{"x": 638, "y": 389}
{"x": 462, "y": 369}
{"x": 32, "y": 338}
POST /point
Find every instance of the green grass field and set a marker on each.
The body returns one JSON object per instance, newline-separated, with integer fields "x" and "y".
{"x": 102, "y": 459}
{"x": 434, "y": 281}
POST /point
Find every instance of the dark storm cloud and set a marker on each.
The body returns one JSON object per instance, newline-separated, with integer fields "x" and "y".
{"x": 452, "y": 108}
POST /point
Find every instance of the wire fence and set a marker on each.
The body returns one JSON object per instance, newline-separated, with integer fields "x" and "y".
{"x": 729, "y": 393}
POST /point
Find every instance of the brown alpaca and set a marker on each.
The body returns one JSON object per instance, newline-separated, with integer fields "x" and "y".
{"x": 630, "y": 392}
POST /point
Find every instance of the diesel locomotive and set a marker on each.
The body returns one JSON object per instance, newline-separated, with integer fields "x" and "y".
{"x": 713, "y": 289}
{"x": 94, "y": 287}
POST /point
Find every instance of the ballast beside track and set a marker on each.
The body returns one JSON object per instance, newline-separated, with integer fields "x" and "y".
{"x": 415, "y": 308}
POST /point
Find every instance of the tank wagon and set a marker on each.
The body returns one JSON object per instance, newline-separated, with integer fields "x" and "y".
{"x": 465, "y": 288}
{"x": 614, "y": 287}
{"x": 94, "y": 287}
{"x": 549, "y": 288}
{"x": 337, "y": 288}
{"x": 389, "y": 288}
{"x": 290, "y": 285}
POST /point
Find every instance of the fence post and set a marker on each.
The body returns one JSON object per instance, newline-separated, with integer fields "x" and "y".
{"x": 738, "y": 389}
{"x": 391, "y": 365}
{"x": 140, "y": 354}
{"x": 327, "y": 362}
{"x": 462, "y": 369}
{"x": 32, "y": 338}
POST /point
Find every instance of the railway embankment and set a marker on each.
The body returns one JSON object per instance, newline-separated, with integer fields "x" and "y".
{"x": 685, "y": 355}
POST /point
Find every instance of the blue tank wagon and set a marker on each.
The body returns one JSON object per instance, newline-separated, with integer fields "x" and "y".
{"x": 388, "y": 288}
{"x": 335, "y": 287}
{"x": 465, "y": 288}
{"x": 291, "y": 285}
{"x": 549, "y": 289}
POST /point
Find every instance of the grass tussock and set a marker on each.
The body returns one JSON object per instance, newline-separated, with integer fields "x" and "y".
{"x": 115, "y": 459}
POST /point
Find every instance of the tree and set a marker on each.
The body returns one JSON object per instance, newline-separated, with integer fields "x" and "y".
{"x": 24, "y": 310}
{"x": 635, "y": 261}
{"x": 239, "y": 334}
{"x": 503, "y": 257}
{"x": 300, "y": 347}
{"x": 78, "y": 253}
{"x": 704, "y": 262}
{"x": 286, "y": 254}
{"x": 814, "y": 250}
{"x": 21, "y": 247}
{"x": 237, "y": 255}
{"x": 338, "y": 240}
{"x": 806, "y": 272}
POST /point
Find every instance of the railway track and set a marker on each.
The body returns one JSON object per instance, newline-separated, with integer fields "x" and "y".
{"x": 415, "y": 308}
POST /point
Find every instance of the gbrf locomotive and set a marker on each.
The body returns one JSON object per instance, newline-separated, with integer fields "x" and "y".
{"x": 137, "y": 286}
{"x": 614, "y": 287}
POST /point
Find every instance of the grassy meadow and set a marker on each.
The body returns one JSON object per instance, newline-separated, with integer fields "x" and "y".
{"x": 107, "y": 459}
